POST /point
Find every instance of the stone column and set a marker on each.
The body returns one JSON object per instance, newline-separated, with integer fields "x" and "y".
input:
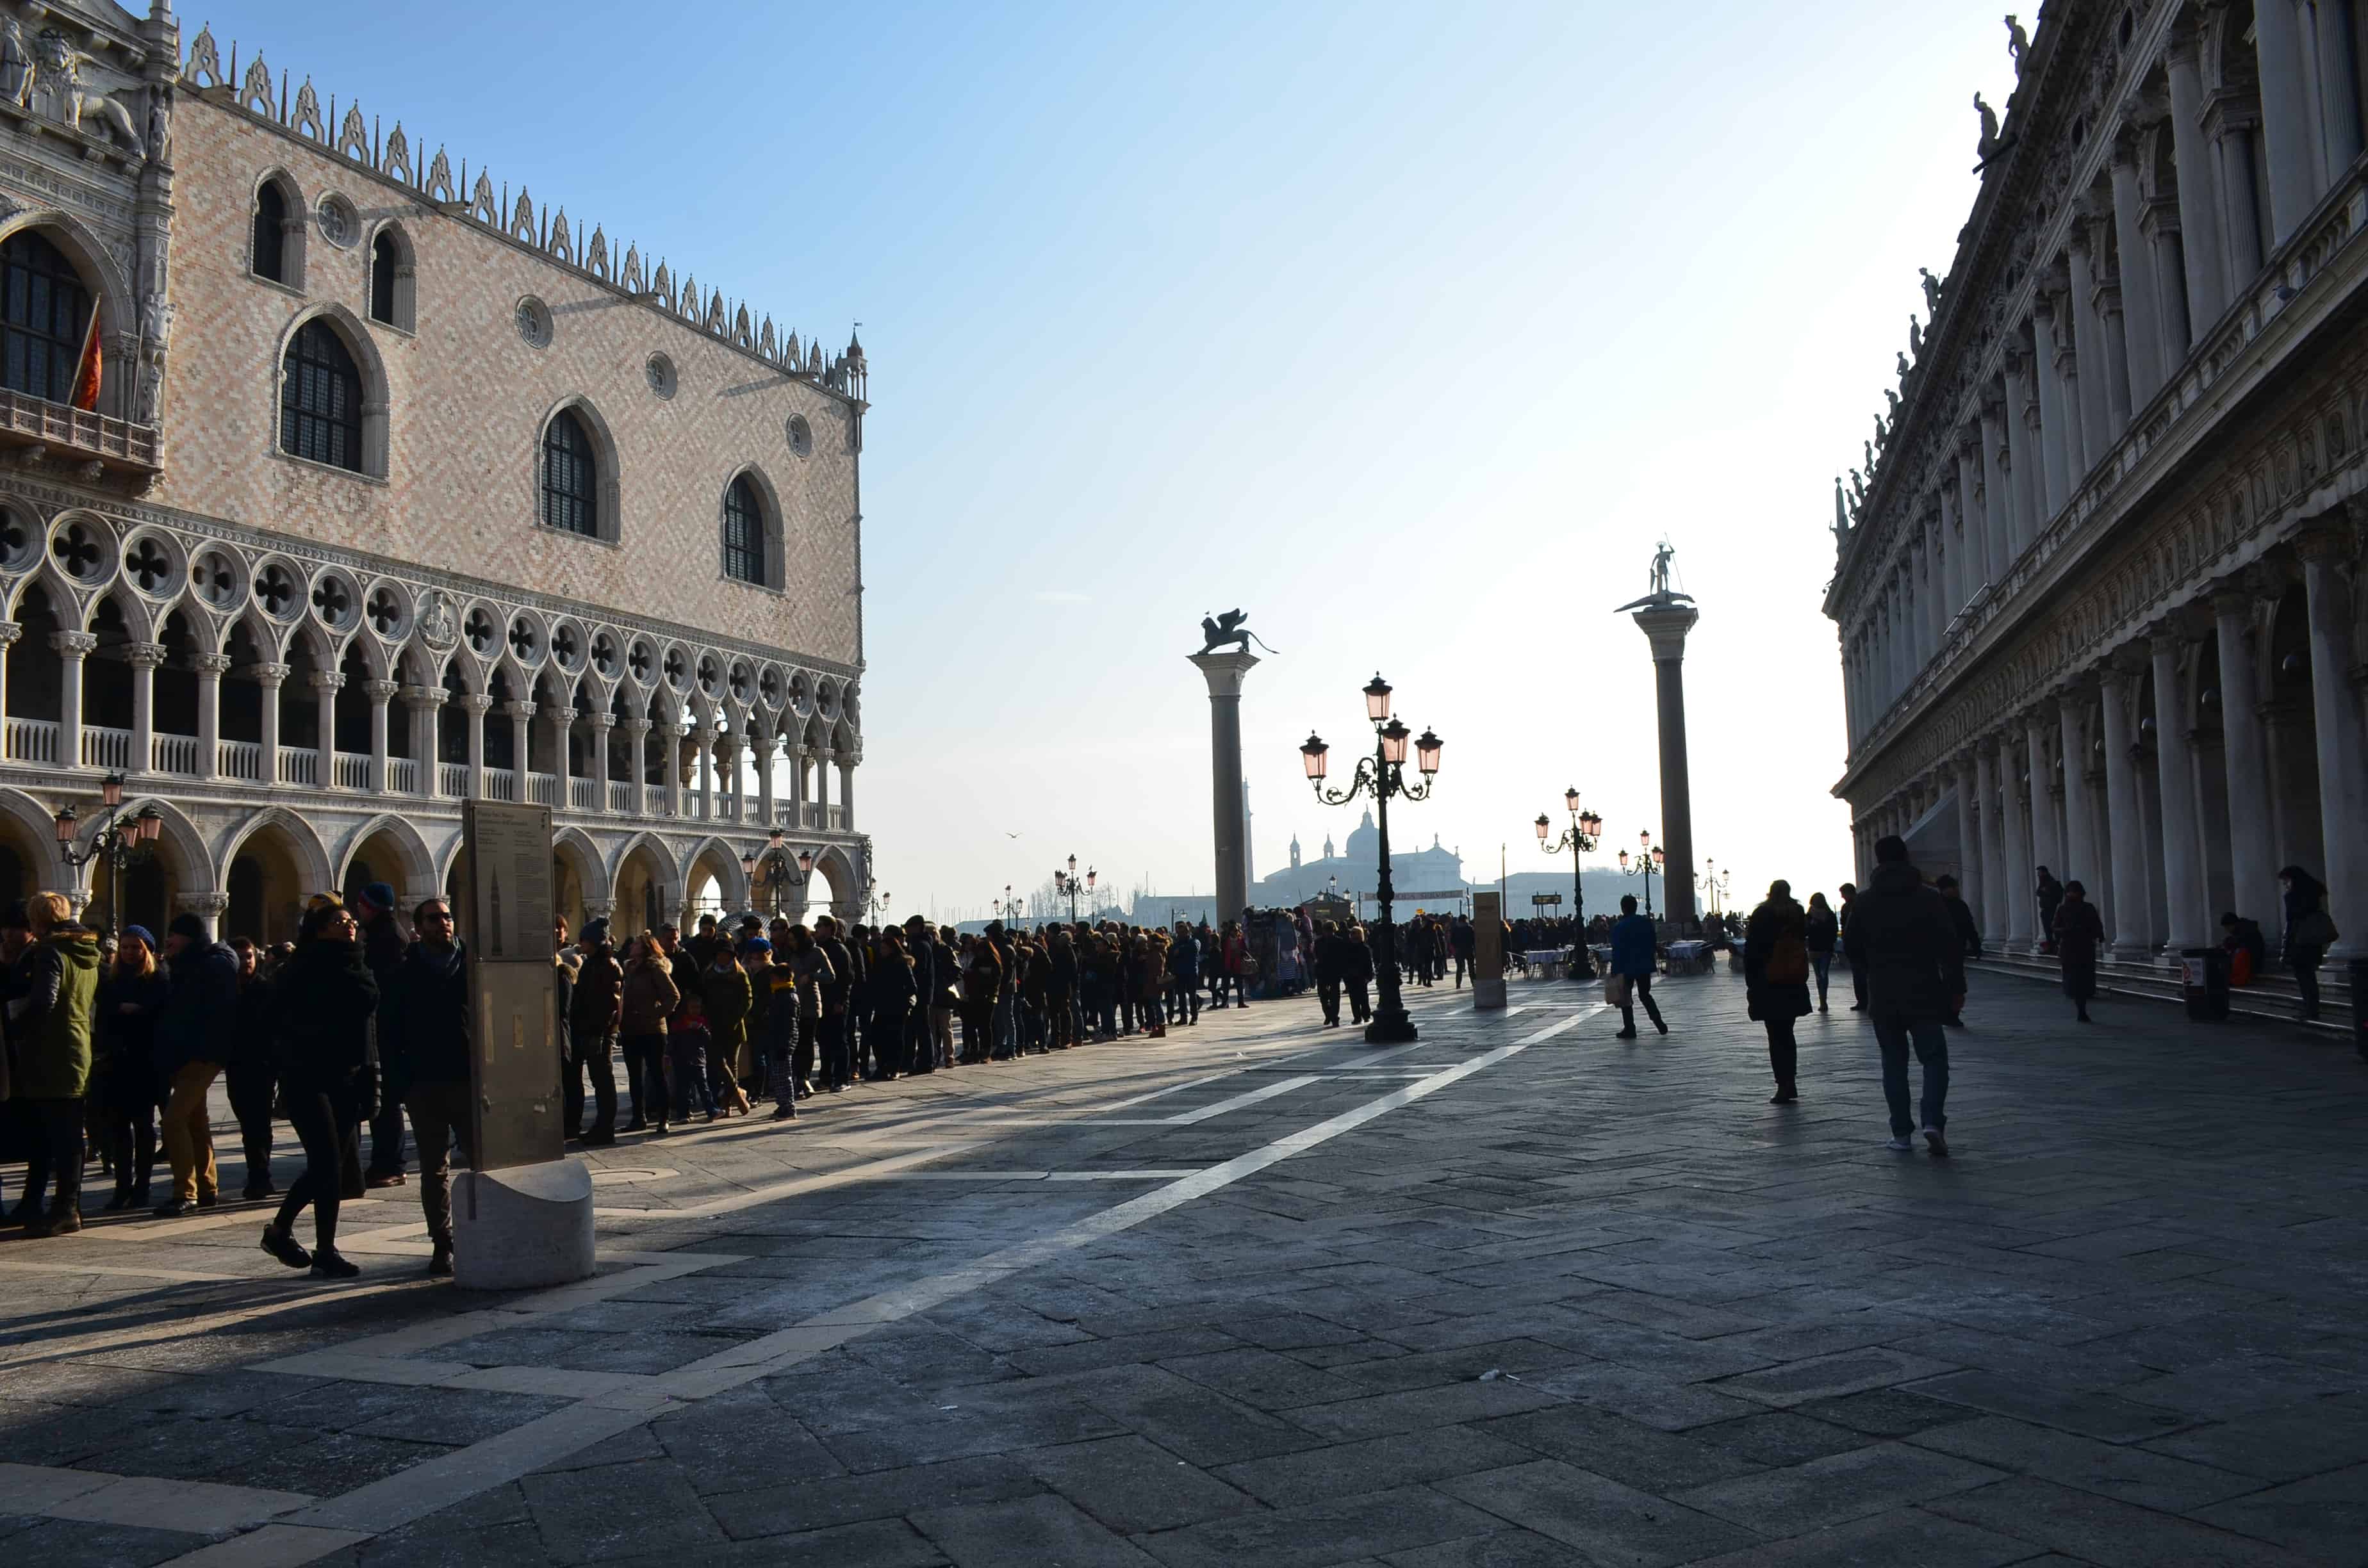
{"x": 209, "y": 908}
{"x": 1224, "y": 674}
{"x": 1938, "y": 609}
{"x": 380, "y": 692}
{"x": 2232, "y": 126}
{"x": 2188, "y": 900}
{"x": 728, "y": 767}
{"x": 1975, "y": 544}
{"x": 326, "y": 684}
{"x": 9, "y": 631}
{"x": 2144, "y": 311}
{"x": 2118, "y": 404}
{"x": 2339, "y": 95}
{"x": 425, "y": 702}
{"x": 674, "y": 732}
{"x": 521, "y": 713}
{"x": 602, "y": 721}
{"x": 144, "y": 657}
{"x": 2045, "y": 849}
{"x": 762, "y": 761}
{"x": 212, "y": 667}
{"x": 1664, "y": 626}
{"x": 637, "y": 734}
{"x": 73, "y": 648}
{"x": 562, "y": 722}
{"x": 2132, "y": 906}
{"x": 1953, "y": 583}
{"x": 480, "y": 706}
{"x": 2014, "y": 843}
{"x": 2023, "y": 454}
{"x": 1987, "y": 774}
{"x": 795, "y": 756}
{"x": 847, "y": 763}
{"x": 1969, "y": 832}
{"x": 2251, "y": 859}
{"x": 822, "y": 759}
{"x": 2289, "y": 119}
{"x": 271, "y": 678}
{"x": 2054, "y": 485}
{"x": 1998, "y": 503}
{"x": 2342, "y": 747}
{"x": 2080, "y": 828}
{"x": 703, "y": 754}
{"x": 2199, "y": 203}
{"x": 2097, "y": 430}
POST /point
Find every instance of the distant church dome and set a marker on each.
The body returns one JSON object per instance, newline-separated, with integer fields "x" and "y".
{"x": 1365, "y": 843}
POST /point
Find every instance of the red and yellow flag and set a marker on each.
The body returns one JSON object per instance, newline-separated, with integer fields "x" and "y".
{"x": 86, "y": 374}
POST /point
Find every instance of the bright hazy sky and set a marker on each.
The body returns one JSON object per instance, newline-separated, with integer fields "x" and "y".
{"x": 1408, "y": 329}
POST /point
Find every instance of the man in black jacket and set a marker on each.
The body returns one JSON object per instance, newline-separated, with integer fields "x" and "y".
{"x": 424, "y": 1039}
{"x": 1902, "y": 940}
{"x": 252, "y": 1075}
{"x": 194, "y": 1037}
{"x": 382, "y": 949}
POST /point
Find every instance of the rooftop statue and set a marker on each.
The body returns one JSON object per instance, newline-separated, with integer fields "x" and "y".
{"x": 1661, "y": 559}
{"x": 1915, "y": 339}
{"x": 1931, "y": 292}
{"x": 1903, "y": 369}
{"x": 1662, "y": 596}
{"x": 1989, "y": 142}
{"x": 1219, "y": 631}
{"x": 2017, "y": 44}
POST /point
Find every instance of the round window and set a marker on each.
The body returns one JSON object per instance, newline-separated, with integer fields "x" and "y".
{"x": 534, "y": 322}
{"x": 660, "y": 370}
{"x": 800, "y": 436}
{"x": 340, "y": 225}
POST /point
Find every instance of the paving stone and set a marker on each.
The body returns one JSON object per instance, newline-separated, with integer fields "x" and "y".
{"x": 1885, "y": 1413}
{"x": 1627, "y": 1451}
{"x": 1196, "y": 1424}
{"x": 1642, "y": 1396}
{"x": 1127, "y": 1351}
{"x": 322, "y": 1464}
{"x": 1404, "y": 1458}
{"x": 1829, "y": 1377}
{"x": 1131, "y": 1486}
{"x": 1045, "y": 1529}
{"x": 1420, "y": 1409}
{"x": 1903, "y": 1536}
{"x": 740, "y": 1439}
{"x": 2278, "y": 1445}
{"x": 1839, "y": 1487}
{"x": 1321, "y": 1535}
{"x": 1504, "y": 1548}
{"x": 1263, "y": 1378}
{"x": 788, "y": 1505}
{"x": 876, "y": 1543}
{"x": 1599, "y": 1516}
{"x": 2102, "y": 1415}
{"x": 430, "y": 1544}
{"x": 70, "y": 1544}
{"x": 621, "y": 1510}
{"x": 2098, "y": 1529}
{"x": 1776, "y": 1438}
{"x": 2325, "y": 1518}
{"x": 2109, "y": 1469}
{"x": 2240, "y": 1386}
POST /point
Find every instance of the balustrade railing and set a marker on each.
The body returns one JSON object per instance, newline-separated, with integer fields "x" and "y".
{"x": 621, "y": 793}
{"x": 452, "y": 780}
{"x": 240, "y": 760}
{"x": 32, "y": 740}
{"x": 543, "y": 789}
{"x": 104, "y": 747}
{"x": 501, "y": 784}
{"x": 402, "y": 776}
{"x": 300, "y": 765}
{"x": 584, "y": 794}
{"x": 351, "y": 771}
{"x": 174, "y": 753}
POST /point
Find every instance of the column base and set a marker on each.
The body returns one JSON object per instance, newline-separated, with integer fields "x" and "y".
{"x": 1391, "y": 1026}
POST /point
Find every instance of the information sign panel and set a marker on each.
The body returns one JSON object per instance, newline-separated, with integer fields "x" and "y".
{"x": 514, "y": 1066}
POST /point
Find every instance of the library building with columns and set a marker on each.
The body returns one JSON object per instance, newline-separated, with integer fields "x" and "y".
{"x": 2099, "y": 599}
{"x": 342, "y": 482}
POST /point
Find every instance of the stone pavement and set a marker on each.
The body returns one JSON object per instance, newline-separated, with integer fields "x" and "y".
{"x": 1261, "y": 1296}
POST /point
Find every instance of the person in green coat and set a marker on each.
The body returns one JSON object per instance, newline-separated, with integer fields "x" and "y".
{"x": 53, "y": 1058}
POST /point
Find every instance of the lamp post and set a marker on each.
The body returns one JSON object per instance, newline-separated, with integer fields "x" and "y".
{"x": 1067, "y": 884}
{"x": 1650, "y": 860}
{"x": 778, "y": 870}
{"x": 1712, "y": 883}
{"x": 1382, "y": 773}
{"x": 117, "y": 840}
{"x": 1585, "y": 832}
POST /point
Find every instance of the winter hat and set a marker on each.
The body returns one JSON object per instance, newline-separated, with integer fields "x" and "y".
{"x": 379, "y": 898}
{"x": 147, "y": 937}
{"x": 596, "y": 932}
{"x": 190, "y": 926}
{"x": 754, "y": 945}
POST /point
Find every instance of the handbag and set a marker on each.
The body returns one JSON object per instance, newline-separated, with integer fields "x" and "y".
{"x": 1615, "y": 990}
{"x": 2315, "y": 929}
{"x": 1788, "y": 962}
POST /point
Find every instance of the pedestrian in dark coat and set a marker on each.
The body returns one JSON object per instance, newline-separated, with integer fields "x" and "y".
{"x": 1901, "y": 937}
{"x": 1636, "y": 954}
{"x": 383, "y": 948}
{"x": 425, "y": 1040}
{"x": 124, "y": 1081}
{"x": 2310, "y": 931}
{"x": 325, "y": 998}
{"x": 195, "y": 1035}
{"x": 252, "y": 1072}
{"x": 1776, "y": 979}
{"x": 2050, "y": 894}
{"x": 2078, "y": 931}
{"x": 1822, "y": 930}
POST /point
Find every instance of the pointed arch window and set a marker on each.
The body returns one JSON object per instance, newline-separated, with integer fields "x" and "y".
{"x": 571, "y": 477}
{"x": 44, "y": 310}
{"x": 320, "y": 399}
{"x": 385, "y": 257}
{"x": 744, "y": 533}
{"x": 275, "y": 247}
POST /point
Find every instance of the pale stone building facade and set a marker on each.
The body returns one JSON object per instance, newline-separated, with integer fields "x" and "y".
{"x": 2101, "y": 606}
{"x": 398, "y": 488}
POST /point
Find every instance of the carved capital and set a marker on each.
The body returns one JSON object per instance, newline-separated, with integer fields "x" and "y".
{"x": 601, "y": 718}
{"x": 426, "y": 696}
{"x": 635, "y": 726}
{"x": 268, "y": 674}
{"x": 9, "y": 632}
{"x": 144, "y": 655}
{"x": 521, "y": 708}
{"x": 565, "y": 715}
{"x": 382, "y": 691}
{"x": 328, "y": 680}
{"x": 477, "y": 703}
{"x": 2331, "y": 539}
{"x": 215, "y": 664}
{"x": 73, "y": 644}
{"x": 209, "y": 905}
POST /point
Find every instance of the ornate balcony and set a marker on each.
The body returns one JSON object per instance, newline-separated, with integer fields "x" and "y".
{"x": 38, "y": 432}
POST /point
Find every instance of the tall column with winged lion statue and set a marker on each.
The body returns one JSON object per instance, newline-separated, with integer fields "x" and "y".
{"x": 1223, "y": 672}
{"x": 1665, "y": 616}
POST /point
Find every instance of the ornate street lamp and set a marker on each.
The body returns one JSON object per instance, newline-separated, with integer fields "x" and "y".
{"x": 1066, "y": 884}
{"x": 1650, "y": 862}
{"x": 1585, "y": 832}
{"x": 771, "y": 868}
{"x": 118, "y": 840}
{"x": 1383, "y": 775}
{"x": 1712, "y": 883}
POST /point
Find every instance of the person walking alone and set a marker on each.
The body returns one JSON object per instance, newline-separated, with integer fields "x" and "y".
{"x": 1842, "y": 920}
{"x": 1902, "y": 938}
{"x": 2310, "y": 931}
{"x": 1636, "y": 954}
{"x": 2079, "y": 932}
{"x": 326, "y": 999}
{"x": 1776, "y": 978}
{"x": 2050, "y": 894}
{"x": 250, "y": 1073}
{"x": 1357, "y": 973}
{"x": 424, "y": 1039}
{"x": 127, "y": 1071}
{"x": 52, "y": 1032}
{"x": 1823, "y": 933}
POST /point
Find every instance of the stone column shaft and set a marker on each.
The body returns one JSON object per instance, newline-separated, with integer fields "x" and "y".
{"x": 74, "y": 649}
{"x": 2133, "y": 903}
{"x": 2144, "y": 334}
{"x": 2342, "y": 747}
{"x": 2044, "y": 848}
{"x": 1224, "y": 674}
{"x": 211, "y": 669}
{"x": 144, "y": 657}
{"x": 1665, "y": 627}
{"x": 380, "y": 692}
{"x": 2199, "y": 196}
{"x": 2054, "y": 486}
{"x": 2244, "y": 750}
{"x": 271, "y": 678}
{"x": 2184, "y": 893}
{"x": 2079, "y": 829}
{"x": 2288, "y": 117}
{"x": 2022, "y": 450}
{"x": 2097, "y": 430}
